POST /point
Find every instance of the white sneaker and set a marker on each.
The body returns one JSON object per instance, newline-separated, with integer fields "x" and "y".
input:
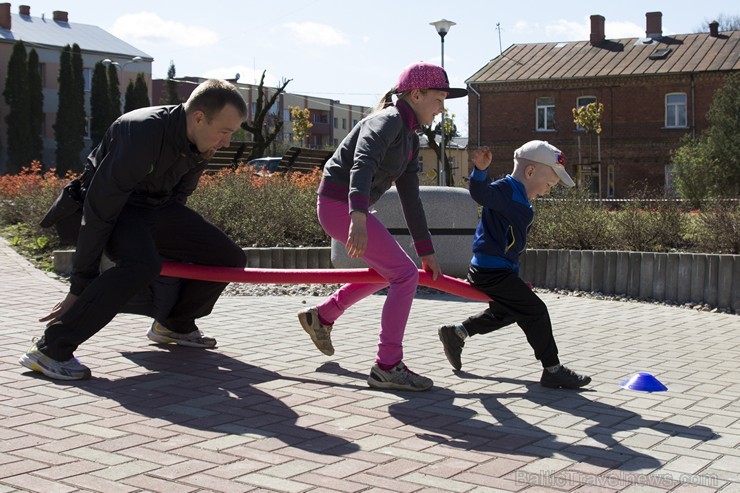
{"x": 320, "y": 333}
{"x": 37, "y": 361}
{"x": 162, "y": 335}
{"x": 398, "y": 378}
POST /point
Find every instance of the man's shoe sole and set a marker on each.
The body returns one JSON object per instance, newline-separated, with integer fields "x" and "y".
{"x": 394, "y": 386}
{"x": 571, "y": 387}
{"x": 160, "y": 339}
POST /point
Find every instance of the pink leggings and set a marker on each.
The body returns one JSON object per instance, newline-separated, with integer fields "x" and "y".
{"x": 386, "y": 256}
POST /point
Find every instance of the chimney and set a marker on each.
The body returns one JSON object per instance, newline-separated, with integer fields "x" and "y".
{"x": 5, "y": 16}
{"x": 60, "y": 16}
{"x": 24, "y": 10}
{"x": 714, "y": 29}
{"x": 654, "y": 25}
{"x": 597, "y": 30}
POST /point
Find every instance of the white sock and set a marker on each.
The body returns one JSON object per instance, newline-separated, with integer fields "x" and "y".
{"x": 461, "y": 332}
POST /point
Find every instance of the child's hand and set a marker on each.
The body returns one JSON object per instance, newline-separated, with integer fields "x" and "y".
{"x": 482, "y": 157}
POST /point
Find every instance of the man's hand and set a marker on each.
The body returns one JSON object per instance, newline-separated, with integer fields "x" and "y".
{"x": 429, "y": 264}
{"x": 357, "y": 238}
{"x": 59, "y": 309}
{"x": 482, "y": 157}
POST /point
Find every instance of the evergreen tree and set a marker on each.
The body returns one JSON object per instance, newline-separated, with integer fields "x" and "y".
{"x": 141, "y": 91}
{"x": 137, "y": 94}
{"x": 114, "y": 92}
{"x": 79, "y": 115}
{"x": 171, "y": 96}
{"x": 100, "y": 104}
{"x": 17, "y": 98}
{"x": 69, "y": 128}
{"x": 35, "y": 106}
{"x": 130, "y": 103}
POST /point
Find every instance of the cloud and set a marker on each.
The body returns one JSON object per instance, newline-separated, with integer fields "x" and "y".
{"x": 148, "y": 26}
{"x": 567, "y": 30}
{"x": 317, "y": 34}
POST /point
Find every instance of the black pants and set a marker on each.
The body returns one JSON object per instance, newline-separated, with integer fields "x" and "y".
{"x": 513, "y": 302}
{"x": 141, "y": 237}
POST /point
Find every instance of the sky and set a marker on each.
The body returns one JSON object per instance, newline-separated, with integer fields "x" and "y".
{"x": 353, "y": 51}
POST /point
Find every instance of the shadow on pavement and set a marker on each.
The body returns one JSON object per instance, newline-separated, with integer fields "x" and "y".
{"x": 457, "y": 426}
{"x": 208, "y": 390}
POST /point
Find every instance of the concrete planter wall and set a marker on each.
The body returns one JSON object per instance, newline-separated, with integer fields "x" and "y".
{"x": 265, "y": 258}
{"x": 677, "y": 277}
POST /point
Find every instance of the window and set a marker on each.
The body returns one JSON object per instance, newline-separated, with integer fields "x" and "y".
{"x": 354, "y": 122}
{"x": 286, "y": 115}
{"x": 86, "y": 77}
{"x": 336, "y": 122}
{"x": 675, "y": 110}
{"x": 545, "y": 114}
{"x": 584, "y": 101}
{"x": 88, "y": 120}
{"x": 344, "y": 124}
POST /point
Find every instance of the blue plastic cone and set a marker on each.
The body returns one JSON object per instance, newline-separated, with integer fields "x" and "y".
{"x": 643, "y": 382}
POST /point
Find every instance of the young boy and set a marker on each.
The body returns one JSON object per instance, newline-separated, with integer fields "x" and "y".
{"x": 499, "y": 240}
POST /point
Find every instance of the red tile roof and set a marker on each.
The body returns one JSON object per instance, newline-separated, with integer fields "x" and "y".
{"x": 622, "y": 57}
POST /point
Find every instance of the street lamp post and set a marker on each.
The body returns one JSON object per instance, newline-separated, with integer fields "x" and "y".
{"x": 120, "y": 67}
{"x": 443, "y": 27}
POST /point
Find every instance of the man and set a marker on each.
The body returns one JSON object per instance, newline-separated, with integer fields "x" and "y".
{"x": 148, "y": 163}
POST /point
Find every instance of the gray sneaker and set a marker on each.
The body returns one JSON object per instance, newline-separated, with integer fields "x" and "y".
{"x": 162, "y": 335}
{"x": 37, "y": 361}
{"x": 397, "y": 378}
{"x": 320, "y": 333}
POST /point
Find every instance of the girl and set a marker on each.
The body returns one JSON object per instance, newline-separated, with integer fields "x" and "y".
{"x": 382, "y": 149}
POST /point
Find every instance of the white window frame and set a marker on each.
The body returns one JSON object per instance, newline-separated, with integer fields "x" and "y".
{"x": 546, "y": 106}
{"x": 672, "y": 111}
{"x": 583, "y": 101}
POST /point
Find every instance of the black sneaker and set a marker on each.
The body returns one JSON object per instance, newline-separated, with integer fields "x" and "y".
{"x": 452, "y": 344}
{"x": 565, "y": 378}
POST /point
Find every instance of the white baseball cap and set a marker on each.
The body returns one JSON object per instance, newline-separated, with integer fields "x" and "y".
{"x": 543, "y": 152}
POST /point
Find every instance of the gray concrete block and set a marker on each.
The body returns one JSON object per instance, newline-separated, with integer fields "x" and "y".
{"x": 622, "y": 275}
{"x": 563, "y": 271}
{"x": 253, "y": 257}
{"x": 659, "y": 274}
{"x": 574, "y": 269}
{"x": 540, "y": 271}
{"x": 724, "y": 280}
{"x": 610, "y": 272}
{"x": 265, "y": 256}
{"x": 735, "y": 300}
{"x": 597, "y": 271}
{"x": 698, "y": 271}
{"x": 325, "y": 258}
{"x": 276, "y": 257}
{"x": 711, "y": 280}
{"x": 551, "y": 276}
{"x": 301, "y": 258}
{"x": 633, "y": 276}
{"x": 527, "y": 263}
{"x": 647, "y": 269}
{"x": 684, "y": 278}
{"x": 586, "y": 270}
{"x": 671, "y": 277}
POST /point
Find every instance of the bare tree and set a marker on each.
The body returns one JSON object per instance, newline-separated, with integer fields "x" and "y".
{"x": 265, "y": 126}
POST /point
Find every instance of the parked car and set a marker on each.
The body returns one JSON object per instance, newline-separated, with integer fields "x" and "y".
{"x": 268, "y": 164}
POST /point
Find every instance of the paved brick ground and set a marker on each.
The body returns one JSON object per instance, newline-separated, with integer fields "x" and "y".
{"x": 267, "y": 412}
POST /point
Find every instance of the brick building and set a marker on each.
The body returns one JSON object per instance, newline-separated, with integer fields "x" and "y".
{"x": 655, "y": 90}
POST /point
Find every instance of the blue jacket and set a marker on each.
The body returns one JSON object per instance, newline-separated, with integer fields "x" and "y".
{"x": 501, "y": 236}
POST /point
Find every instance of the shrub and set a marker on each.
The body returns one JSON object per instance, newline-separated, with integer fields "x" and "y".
{"x": 716, "y": 227}
{"x": 649, "y": 223}
{"x": 570, "y": 220}
{"x": 262, "y": 211}
{"x": 26, "y": 196}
